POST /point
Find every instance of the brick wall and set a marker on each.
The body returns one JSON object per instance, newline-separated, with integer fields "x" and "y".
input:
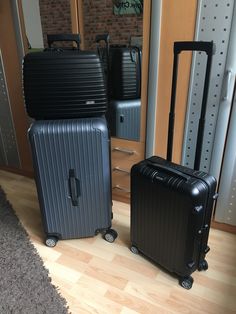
{"x": 55, "y": 17}
{"x": 99, "y": 19}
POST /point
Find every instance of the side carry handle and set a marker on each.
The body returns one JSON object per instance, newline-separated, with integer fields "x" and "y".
{"x": 170, "y": 171}
{"x": 135, "y": 55}
{"x": 51, "y": 38}
{"x": 74, "y": 189}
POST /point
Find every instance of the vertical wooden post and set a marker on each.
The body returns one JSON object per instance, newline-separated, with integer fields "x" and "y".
{"x": 77, "y": 21}
{"x": 22, "y": 26}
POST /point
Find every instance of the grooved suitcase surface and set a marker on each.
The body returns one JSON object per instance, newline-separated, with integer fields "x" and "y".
{"x": 125, "y": 118}
{"x": 164, "y": 223}
{"x": 64, "y": 84}
{"x": 81, "y": 145}
{"x": 125, "y": 73}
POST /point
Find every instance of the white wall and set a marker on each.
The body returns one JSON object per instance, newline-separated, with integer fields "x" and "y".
{"x": 33, "y": 23}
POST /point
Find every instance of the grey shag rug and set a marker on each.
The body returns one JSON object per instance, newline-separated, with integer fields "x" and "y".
{"x": 25, "y": 286}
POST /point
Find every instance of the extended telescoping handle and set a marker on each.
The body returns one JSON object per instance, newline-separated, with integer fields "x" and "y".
{"x": 102, "y": 37}
{"x": 106, "y": 38}
{"x": 206, "y": 47}
{"x": 51, "y": 38}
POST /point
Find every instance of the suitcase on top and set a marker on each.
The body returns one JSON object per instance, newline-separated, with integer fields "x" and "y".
{"x": 61, "y": 83}
{"x": 171, "y": 205}
{"x": 125, "y": 72}
{"x": 124, "y": 118}
{"x": 71, "y": 160}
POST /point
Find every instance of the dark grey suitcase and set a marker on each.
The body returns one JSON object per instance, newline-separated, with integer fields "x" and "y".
{"x": 124, "y": 118}
{"x": 171, "y": 205}
{"x": 62, "y": 83}
{"x": 71, "y": 160}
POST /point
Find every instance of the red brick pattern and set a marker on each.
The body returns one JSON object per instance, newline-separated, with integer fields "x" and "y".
{"x": 99, "y": 18}
{"x": 55, "y": 17}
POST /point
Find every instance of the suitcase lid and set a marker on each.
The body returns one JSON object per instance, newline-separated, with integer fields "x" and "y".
{"x": 62, "y": 53}
{"x": 123, "y": 104}
{"x": 70, "y": 126}
{"x": 172, "y": 178}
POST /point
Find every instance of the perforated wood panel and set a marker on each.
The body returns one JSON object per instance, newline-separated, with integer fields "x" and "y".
{"x": 213, "y": 23}
{"x": 8, "y": 146}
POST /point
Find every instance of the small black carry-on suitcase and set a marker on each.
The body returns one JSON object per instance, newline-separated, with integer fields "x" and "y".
{"x": 171, "y": 205}
{"x": 125, "y": 72}
{"x": 124, "y": 118}
{"x": 61, "y": 83}
{"x": 71, "y": 160}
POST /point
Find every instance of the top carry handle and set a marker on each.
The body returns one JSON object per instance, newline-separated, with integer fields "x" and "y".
{"x": 51, "y": 38}
{"x": 206, "y": 47}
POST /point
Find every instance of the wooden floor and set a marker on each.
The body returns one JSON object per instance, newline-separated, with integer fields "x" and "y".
{"x": 98, "y": 277}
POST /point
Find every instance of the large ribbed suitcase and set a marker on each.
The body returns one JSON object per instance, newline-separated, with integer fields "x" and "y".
{"x": 171, "y": 205}
{"x": 64, "y": 83}
{"x": 71, "y": 160}
{"x": 124, "y": 118}
{"x": 125, "y": 72}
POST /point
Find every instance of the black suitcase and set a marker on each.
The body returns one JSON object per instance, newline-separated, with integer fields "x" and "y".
{"x": 171, "y": 205}
{"x": 125, "y": 72}
{"x": 71, "y": 160}
{"x": 64, "y": 82}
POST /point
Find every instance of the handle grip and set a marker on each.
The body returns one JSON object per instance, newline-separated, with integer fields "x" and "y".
{"x": 73, "y": 187}
{"x": 206, "y": 46}
{"x": 168, "y": 170}
{"x": 134, "y": 54}
{"x": 105, "y": 37}
{"x": 51, "y": 38}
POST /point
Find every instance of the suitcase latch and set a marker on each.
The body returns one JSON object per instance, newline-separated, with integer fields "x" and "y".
{"x": 203, "y": 229}
{"x": 191, "y": 264}
{"x": 197, "y": 209}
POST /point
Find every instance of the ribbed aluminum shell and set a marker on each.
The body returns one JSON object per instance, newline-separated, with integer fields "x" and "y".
{"x": 125, "y": 119}
{"x": 64, "y": 84}
{"x": 164, "y": 223}
{"x": 125, "y": 73}
{"x": 81, "y": 145}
